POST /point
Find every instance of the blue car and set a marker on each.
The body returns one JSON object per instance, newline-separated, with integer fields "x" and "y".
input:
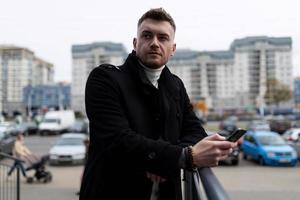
{"x": 268, "y": 148}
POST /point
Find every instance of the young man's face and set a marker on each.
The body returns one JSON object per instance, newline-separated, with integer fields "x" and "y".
{"x": 154, "y": 43}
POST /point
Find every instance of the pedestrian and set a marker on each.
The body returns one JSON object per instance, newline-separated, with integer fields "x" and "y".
{"x": 142, "y": 126}
{"x": 22, "y": 153}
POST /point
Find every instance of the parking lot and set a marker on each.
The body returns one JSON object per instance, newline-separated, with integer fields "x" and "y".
{"x": 248, "y": 180}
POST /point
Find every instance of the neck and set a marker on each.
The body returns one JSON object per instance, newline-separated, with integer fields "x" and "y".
{"x": 152, "y": 74}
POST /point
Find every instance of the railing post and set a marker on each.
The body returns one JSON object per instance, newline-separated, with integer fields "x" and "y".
{"x": 18, "y": 182}
{"x": 10, "y": 189}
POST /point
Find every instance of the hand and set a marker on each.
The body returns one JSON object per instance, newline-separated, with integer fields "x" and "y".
{"x": 155, "y": 178}
{"x": 210, "y": 150}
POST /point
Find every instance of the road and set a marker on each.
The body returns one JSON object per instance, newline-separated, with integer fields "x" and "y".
{"x": 246, "y": 181}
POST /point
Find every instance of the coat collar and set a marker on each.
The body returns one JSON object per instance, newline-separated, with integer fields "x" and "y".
{"x": 166, "y": 80}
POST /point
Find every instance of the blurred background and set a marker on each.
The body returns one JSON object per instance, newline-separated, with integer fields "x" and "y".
{"x": 239, "y": 61}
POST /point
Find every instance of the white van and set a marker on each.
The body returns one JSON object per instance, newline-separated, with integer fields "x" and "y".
{"x": 55, "y": 122}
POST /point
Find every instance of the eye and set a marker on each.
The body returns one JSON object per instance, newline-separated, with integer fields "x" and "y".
{"x": 163, "y": 38}
{"x": 147, "y": 35}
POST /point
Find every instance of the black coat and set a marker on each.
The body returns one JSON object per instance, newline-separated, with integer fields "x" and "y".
{"x": 135, "y": 128}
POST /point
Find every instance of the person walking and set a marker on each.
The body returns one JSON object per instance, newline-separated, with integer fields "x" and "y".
{"x": 22, "y": 153}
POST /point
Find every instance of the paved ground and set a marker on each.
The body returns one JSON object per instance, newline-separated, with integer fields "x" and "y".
{"x": 247, "y": 181}
{"x": 65, "y": 184}
{"x": 250, "y": 181}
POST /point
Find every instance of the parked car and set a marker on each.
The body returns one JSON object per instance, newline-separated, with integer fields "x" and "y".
{"x": 261, "y": 125}
{"x": 8, "y": 127}
{"x": 79, "y": 126}
{"x": 291, "y": 135}
{"x": 6, "y": 142}
{"x": 280, "y": 125}
{"x": 296, "y": 146}
{"x": 268, "y": 148}
{"x": 296, "y": 124}
{"x": 229, "y": 124}
{"x": 69, "y": 149}
{"x": 27, "y": 128}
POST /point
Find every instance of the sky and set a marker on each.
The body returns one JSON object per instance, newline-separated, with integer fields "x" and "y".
{"x": 51, "y": 27}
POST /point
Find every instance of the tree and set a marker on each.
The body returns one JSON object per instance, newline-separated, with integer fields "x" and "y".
{"x": 277, "y": 92}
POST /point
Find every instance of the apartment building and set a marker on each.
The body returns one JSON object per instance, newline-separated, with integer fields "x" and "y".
{"x": 85, "y": 58}
{"x": 236, "y": 78}
{"x": 47, "y": 96}
{"x": 20, "y": 68}
{"x": 262, "y": 59}
{"x": 297, "y": 92}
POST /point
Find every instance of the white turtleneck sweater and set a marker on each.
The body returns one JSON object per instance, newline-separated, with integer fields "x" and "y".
{"x": 153, "y": 74}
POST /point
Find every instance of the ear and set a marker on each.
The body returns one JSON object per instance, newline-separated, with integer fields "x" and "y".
{"x": 173, "y": 49}
{"x": 134, "y": 43}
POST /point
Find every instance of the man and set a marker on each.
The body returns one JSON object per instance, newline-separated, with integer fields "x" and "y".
{"x": 142, "y": 124}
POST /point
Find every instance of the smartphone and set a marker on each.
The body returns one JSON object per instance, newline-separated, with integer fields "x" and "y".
{"x": 237, "y": 134}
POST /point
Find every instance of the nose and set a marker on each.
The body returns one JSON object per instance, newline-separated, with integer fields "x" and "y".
{"x": 154, "y": 42}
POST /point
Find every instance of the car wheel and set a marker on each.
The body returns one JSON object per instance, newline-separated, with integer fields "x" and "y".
{"x": 261, "y": 161}
{"x": 29, "y": 180}
{"x": 235, "y": 162}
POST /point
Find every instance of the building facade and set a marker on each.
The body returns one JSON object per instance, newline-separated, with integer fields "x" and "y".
{"x": 264, "y": 59}
{"x": 44, "y": 97}
{"x": 297, "y": 92}
{"x": 84, "y": 59}
{"x": 237, "y": 78}
{"x": 20, "y": 68}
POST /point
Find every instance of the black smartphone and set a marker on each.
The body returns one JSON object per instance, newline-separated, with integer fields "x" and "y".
{"x": 237, "y": 134}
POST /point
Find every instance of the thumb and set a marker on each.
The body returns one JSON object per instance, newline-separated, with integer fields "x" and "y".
{"x": 215, "y": 137}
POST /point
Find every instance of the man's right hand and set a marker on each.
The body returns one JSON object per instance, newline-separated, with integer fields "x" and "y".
{"x": 210, "y": 150}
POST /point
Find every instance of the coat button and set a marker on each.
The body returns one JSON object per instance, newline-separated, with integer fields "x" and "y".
{"x": 152, "y": 155}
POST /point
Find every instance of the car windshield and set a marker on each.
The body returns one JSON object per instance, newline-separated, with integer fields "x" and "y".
{"x": 70, "y": 142}
{"x": 260, "y": 126}
{"x": 51, "y": 120}
{"x": 1, "y": 135}
{"x": 270, "y": 140}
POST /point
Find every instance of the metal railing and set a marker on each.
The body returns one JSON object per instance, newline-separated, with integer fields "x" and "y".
{"x": 203, "y": 184}
{"x": 9, "y": 185}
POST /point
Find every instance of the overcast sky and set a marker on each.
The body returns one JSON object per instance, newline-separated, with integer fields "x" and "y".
{"x": 50, "y": 27}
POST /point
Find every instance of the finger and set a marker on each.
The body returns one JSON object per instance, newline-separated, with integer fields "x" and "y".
{"x": 215, "y": 137}
{"x": 224, "y": 145}
{"x": 223, "y": 157}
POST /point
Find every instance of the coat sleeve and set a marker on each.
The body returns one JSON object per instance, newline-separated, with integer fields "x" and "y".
{"x": 191, "y": 131}
{"x": 111, "y": 137}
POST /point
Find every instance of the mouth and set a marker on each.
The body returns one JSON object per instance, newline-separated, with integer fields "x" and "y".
{"x": 154, "y": 53}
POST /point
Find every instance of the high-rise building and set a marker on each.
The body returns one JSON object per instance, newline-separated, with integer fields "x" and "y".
{"x": 20, "y": 68}
{"x": 237, "y": 78}
{"x": 85, "y": 58}
{"x": 263, "y": 59}
{"x": 297, "y": 92}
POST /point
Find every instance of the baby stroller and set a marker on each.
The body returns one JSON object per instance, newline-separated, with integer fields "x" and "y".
{"x": 40, "y": 174}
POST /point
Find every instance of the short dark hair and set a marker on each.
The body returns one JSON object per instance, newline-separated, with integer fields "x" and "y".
{"x": 158, "y": 14}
